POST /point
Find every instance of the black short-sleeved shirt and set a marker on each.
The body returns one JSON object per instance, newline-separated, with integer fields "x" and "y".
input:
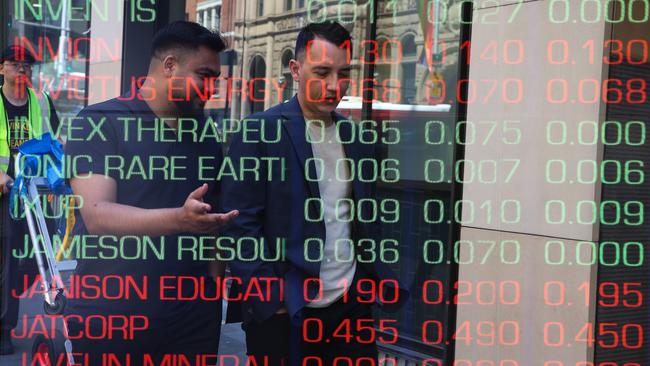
{"x": 123, "y": 139}
{"x": 18, "y": 120}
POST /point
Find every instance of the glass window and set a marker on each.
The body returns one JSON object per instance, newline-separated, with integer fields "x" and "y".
{"x": 257, "y": 77}
{"x": 409, "y": 70}
{"x": 402, "y": 86}
{"x": 287, "y": 78}
{"x": 625, "y": 135}
{"x": 405, "y": 61}
{"x": 61, "y": 46}
{"x": 260, "y": 8}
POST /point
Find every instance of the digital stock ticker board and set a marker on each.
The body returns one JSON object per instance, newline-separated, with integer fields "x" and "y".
{"x": 324, "y": 182}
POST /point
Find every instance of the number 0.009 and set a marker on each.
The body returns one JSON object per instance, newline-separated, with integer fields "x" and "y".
{"x": 365, "y": 210}
{"x": 589, "y": 212}
{"x": 367, "y": 170}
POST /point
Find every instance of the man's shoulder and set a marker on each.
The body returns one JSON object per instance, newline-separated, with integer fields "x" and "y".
{"x": 112, "y": 106}
{"x": 275, "y": 112}
{"x": 101, "y": 120}
{"x": 269, "y": 119}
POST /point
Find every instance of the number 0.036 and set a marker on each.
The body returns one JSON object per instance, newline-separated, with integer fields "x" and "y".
{"x": 367, "y": 170}
{"x": 367, "y": 250}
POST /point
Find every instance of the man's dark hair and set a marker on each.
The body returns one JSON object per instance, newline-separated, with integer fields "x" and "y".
{"x": 17, "y": 53}
{"x": 187, "y": 35}
{"x": 330, "y": 31}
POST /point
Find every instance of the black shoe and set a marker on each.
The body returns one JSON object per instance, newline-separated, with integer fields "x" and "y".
{"x": 6, "y": 347}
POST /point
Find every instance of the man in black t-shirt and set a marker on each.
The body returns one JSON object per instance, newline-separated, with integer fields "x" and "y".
{"x": 145, "y": 170}
{"x": 24, "y": 114}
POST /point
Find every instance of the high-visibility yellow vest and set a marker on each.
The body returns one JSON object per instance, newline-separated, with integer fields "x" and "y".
{"x": 37, "y": 107}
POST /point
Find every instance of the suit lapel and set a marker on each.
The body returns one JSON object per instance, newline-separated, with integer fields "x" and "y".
{"x": 294, "y": 124}
{"x": 352, "y": 152}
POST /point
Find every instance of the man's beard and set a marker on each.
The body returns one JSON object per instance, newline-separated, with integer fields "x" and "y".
{"x": 188, "y": 109}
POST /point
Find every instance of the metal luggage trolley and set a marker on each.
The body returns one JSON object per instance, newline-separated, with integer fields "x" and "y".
{"x": 51, "y": 267}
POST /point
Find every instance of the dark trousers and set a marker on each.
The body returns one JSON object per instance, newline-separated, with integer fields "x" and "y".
{"x": 176, "y": 339}
{"x": 323, "y": 338}
{"x": 12, "y": 236}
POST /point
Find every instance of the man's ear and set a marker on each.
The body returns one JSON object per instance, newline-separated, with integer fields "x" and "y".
{"x": 169, "y": 64}
{"x": 295, "y": 68}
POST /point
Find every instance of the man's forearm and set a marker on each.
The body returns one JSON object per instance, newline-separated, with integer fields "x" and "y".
{"x": 118, "y": 219}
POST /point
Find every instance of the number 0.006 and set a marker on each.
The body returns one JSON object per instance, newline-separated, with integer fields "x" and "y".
{"x": 367, "y": 170}
{"x": 590, "y": 172}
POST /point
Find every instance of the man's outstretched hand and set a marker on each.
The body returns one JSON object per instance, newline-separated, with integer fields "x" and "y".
{"x": 195, "y": 216}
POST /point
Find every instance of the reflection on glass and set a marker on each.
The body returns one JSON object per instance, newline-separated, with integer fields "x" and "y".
{"x": 402, "y": 87}
{"x": 418, "y": 43}
{"x": 57, "y": 33}
{"x": 406, "y": 72}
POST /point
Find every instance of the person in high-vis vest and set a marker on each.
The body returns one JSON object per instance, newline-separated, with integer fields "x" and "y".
{"x": 24, "y": 114}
